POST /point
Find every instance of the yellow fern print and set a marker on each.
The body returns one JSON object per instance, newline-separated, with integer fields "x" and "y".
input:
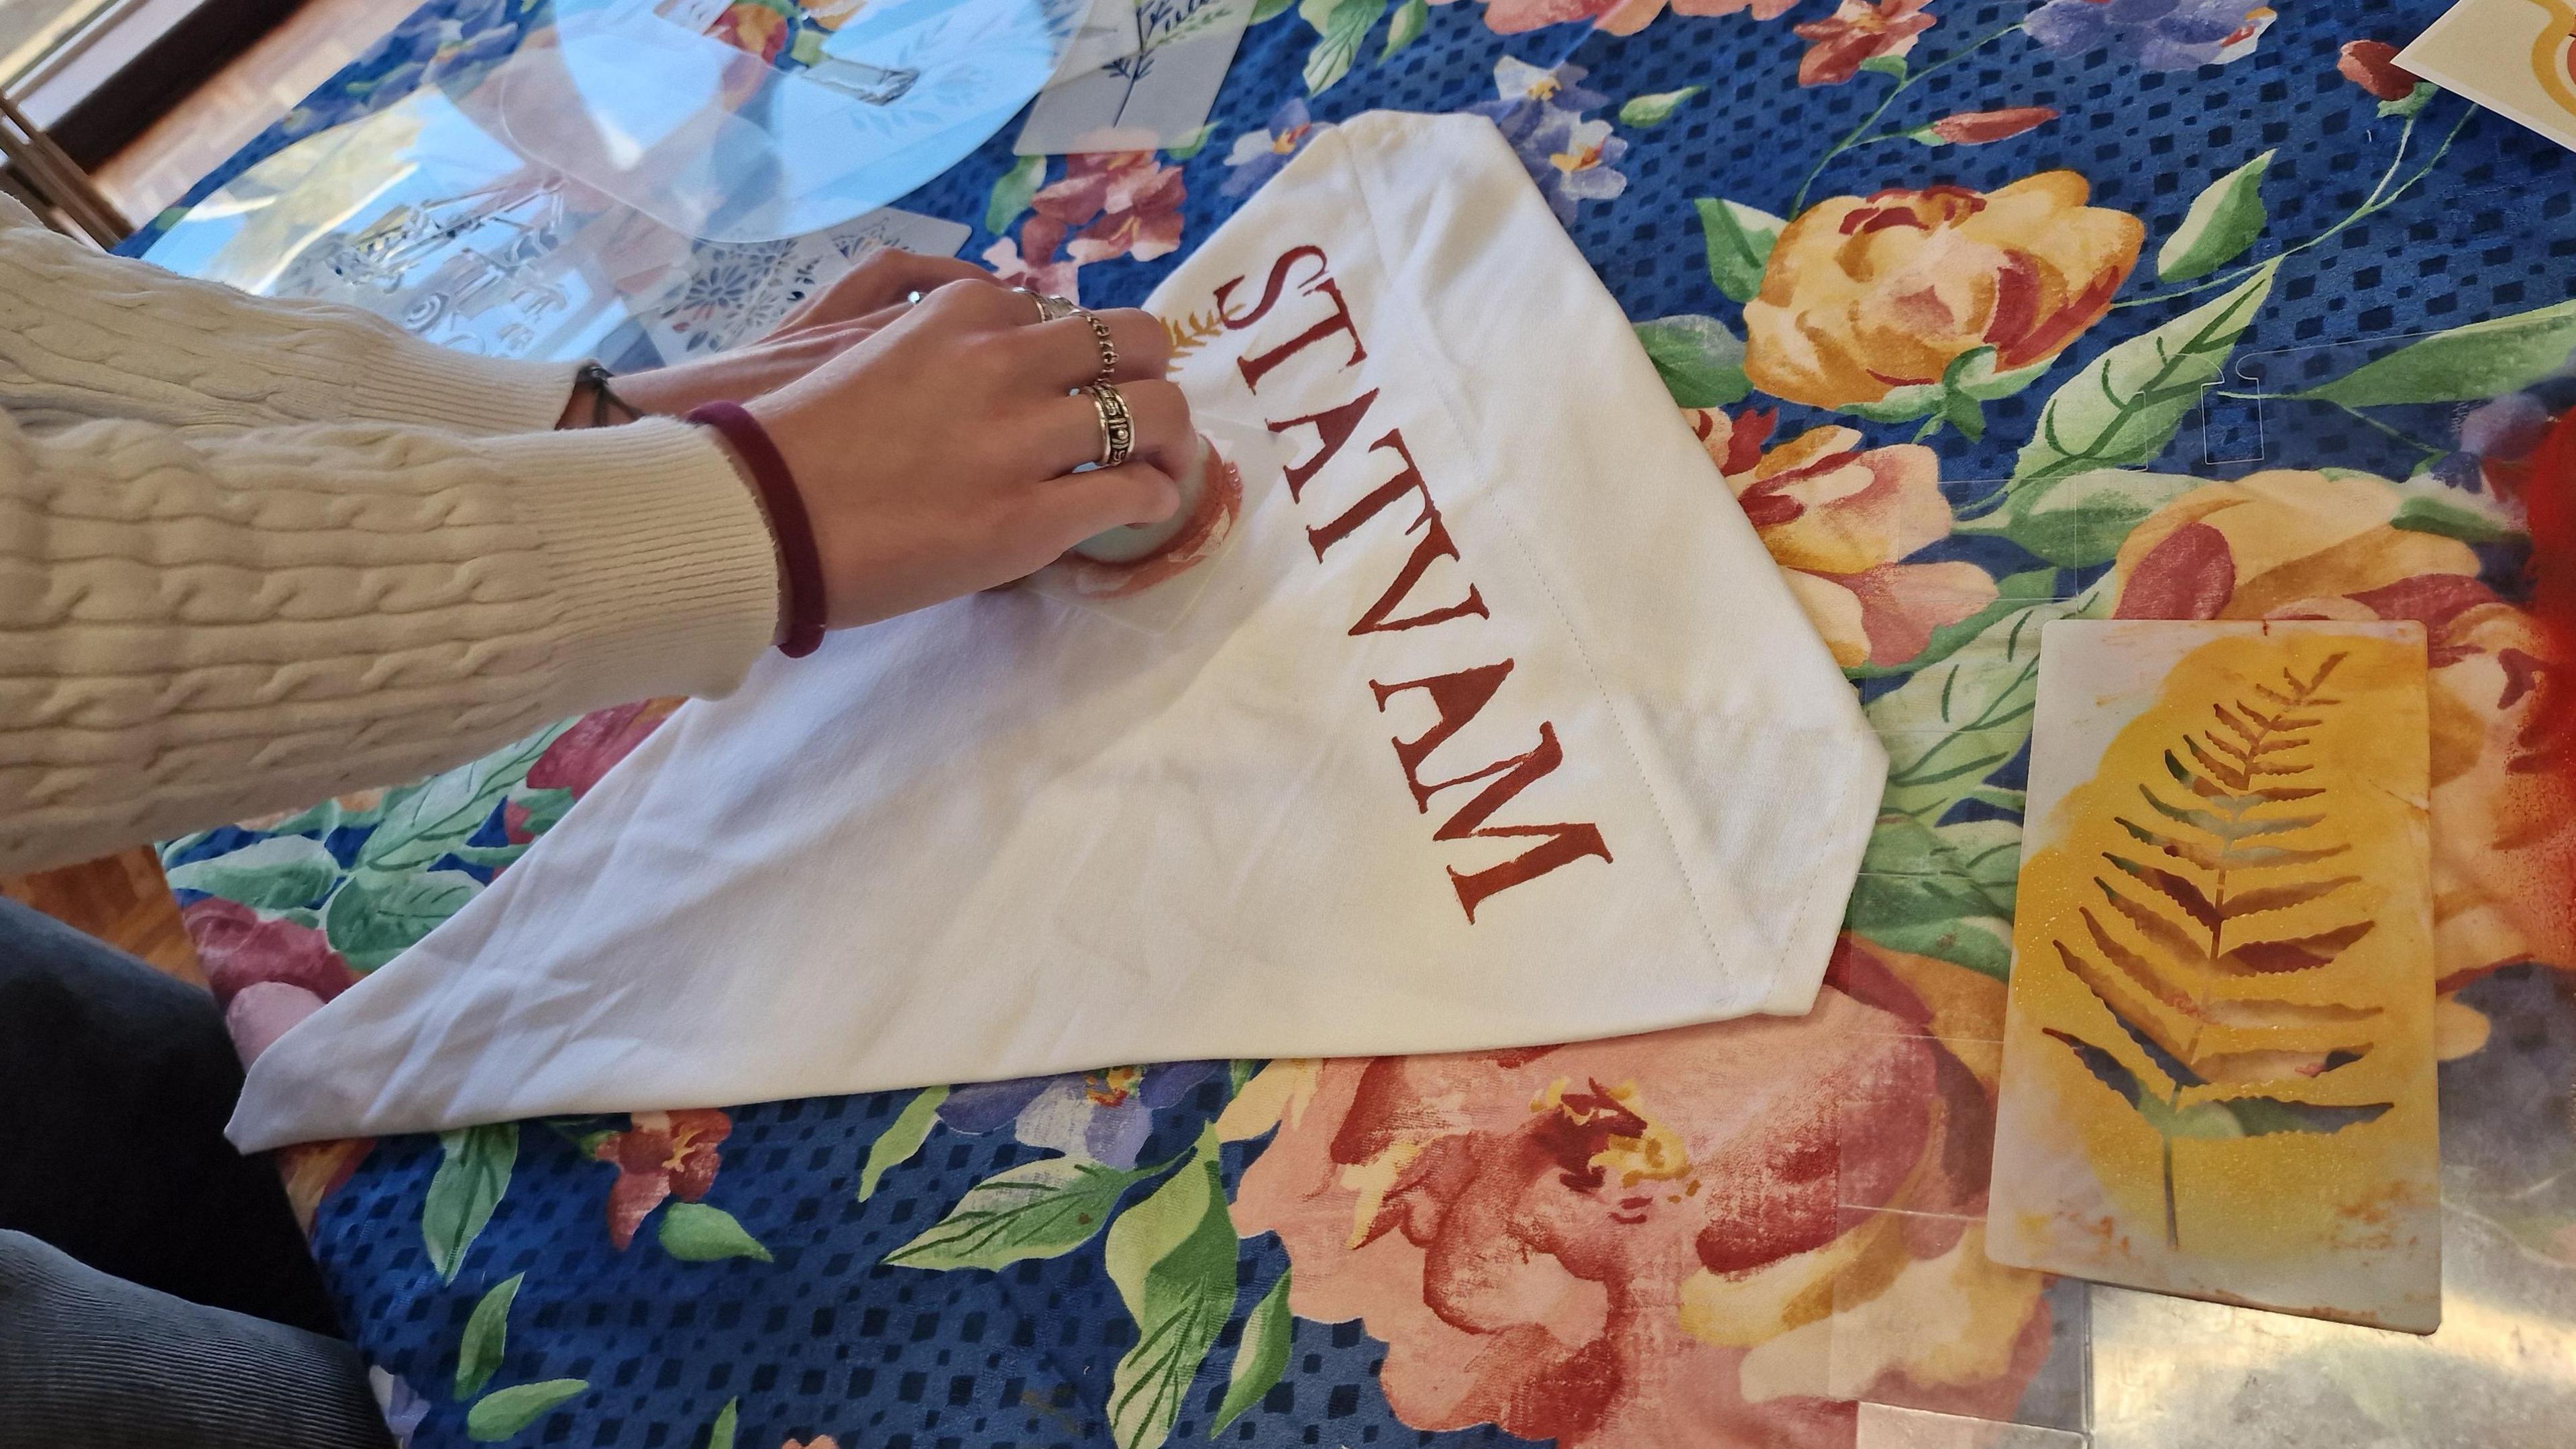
{"x": 2223, "y": 959}
{"x": 1192, "y": 332}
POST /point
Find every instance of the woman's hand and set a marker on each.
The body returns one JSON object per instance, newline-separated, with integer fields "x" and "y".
{"x": 849, "y": 311}
{"x": 936, "y": 455}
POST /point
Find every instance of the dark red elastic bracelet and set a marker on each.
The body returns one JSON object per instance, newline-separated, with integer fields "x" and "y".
{"x": 787, "y": 521}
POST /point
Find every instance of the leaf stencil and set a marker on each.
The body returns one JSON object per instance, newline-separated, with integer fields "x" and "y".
{"x": 2223, "y": 967}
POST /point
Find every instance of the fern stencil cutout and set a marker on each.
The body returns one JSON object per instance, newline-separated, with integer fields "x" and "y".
{"x": 2185, "y": 940}
{"x": 1192, "y": 332}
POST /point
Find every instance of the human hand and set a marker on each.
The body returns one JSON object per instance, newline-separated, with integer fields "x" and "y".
{"x": 935, "y": 456}
{"x": 847, "y": 312}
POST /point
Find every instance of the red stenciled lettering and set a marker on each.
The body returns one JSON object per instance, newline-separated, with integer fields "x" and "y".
{"x": 1458, "y": 697}
{"x": 1270, "y": 289}
{"x": 1255, "y": 368}
{"x": 1434, "y": 544}
{"x": 1333, "y": 427}
{"x": 1408, "y": 479}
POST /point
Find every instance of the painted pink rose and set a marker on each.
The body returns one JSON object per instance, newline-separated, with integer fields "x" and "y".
{"x": 1635, "y": 1244}
{"x": 236, "y": 949}
{"x": 1619, "y": 17}
{"x": 1111, "y": 204}
{"x": 1837, "y": 518}
{"x": 581, "y": 755}
{"x": 261, "y": 1012}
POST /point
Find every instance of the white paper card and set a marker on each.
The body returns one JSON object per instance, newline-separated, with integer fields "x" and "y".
{"x": 1157, "y": 97}
{"x": 2513, "y": 56}
{"x": 1108, "y": 34}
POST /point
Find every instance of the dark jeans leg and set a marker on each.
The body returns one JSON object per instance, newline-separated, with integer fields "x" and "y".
{"x": 117, "y": 1081}
{"x": 93, "y": 1362}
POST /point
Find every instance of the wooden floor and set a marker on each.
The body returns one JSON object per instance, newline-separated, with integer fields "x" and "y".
{"x": 242, "y": 100}
{"x": 123, "y": 899}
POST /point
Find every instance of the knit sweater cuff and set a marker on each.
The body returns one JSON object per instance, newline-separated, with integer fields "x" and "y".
{"x": 662, "y": 560}
{"x": 435, "y": 387}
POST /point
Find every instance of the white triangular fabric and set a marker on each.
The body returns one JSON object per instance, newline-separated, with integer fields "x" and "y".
{"x": 1492, "y": 725}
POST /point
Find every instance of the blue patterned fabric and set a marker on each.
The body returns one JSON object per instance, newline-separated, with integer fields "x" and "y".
{"x": 789, "y": 1312}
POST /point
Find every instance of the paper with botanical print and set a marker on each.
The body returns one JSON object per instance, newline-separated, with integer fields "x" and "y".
{"x": 1156, "y": 92}
{"x": 2218, "y": 1059}
{"x": 2515, "y": 56}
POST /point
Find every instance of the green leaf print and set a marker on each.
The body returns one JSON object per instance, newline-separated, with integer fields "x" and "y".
{"x": 424, "y": 821}
{"x": 545, "y": 808}
{"x": 1701, "y": 362}
{"x": 2405, "y": 106}
{"x": 1192, "y": 144}
{"x": 1340, "y": 25}
{"x": 2125, "y": 405}
{"x": 1965, "y": 385}
{"x": 694, "y": 1232}
{"x": 1951, "y": 725}
{"x": 2464, "y": 364}
{"x": 486, "y": 1338}
{"x": 1011, "y": 193}
{"x": 1943, "y": 891}
{"x": 502, "y": 1413}
{"x": 2452, "y": 514}
{"x": 268, "y": 875}
{"x": 1040, "y": 1209}
{"x": 897, "y": 1144}
{"x": 2082, "y": 519}
{"x": 1739, "y": 241}
{"x": 1172, "y": 1258}
{"x": 473, "y": 1173}
{"x": 2223, "y": 221}
{"x": 1269, "y": 10}
{"x": 375, "y": 917}
{"x": 720, "y": 1433}
{"x": 1653, "y": 110}
{"x": 1410, "y": 17}
{"x": 1260, "y": 1358}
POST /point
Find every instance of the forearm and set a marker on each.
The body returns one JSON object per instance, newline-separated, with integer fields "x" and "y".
{"x": 194, "y": 629}
{"x": 84, "y": 336}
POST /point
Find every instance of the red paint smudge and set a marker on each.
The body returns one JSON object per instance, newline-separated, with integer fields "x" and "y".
{"x": 2551, "y": 500}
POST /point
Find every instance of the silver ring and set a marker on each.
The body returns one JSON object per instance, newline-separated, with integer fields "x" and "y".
{"x": 1050, "y": 306}
{"x": 1101, "y": 339}
{"x": 1117, "y": 425}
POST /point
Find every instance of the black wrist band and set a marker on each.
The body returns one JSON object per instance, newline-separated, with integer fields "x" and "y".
{"x": 596, "y": 377}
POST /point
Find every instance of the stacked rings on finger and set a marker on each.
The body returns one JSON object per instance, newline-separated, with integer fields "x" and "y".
{"x": 1050, "y": 306}
{"x": 1117, "y": 425}
{"x": 1100, "y": 338}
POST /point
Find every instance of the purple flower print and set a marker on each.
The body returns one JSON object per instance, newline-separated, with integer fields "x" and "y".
{"x": 1258, "y": 155}
{"x": 1104, "y": 1116}
{"x": 2152, "y": 34}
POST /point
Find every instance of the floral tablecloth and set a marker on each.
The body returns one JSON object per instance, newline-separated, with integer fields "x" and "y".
{"x": 1990, "y": 314}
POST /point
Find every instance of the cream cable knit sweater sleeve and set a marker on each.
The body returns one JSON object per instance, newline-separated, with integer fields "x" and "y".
{"x": 254, "y": 553}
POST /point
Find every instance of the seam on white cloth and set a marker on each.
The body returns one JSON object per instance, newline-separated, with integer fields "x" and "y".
{"x": 1425, "y": 339}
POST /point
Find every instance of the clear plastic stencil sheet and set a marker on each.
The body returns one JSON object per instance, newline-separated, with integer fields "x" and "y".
{"x": 752, "y": 123}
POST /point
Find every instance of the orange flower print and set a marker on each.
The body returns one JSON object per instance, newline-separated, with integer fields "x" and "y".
{"x": 752, "y": 27}
{"x": 1976, "y": 128}
{"x": 2372, "y": 65}
{"x": 1864, "y": 295}
{"x": 2300, "y": 545}
{"x": 1125, "y": 203}
{"x": 1639, "y": 1243}
{"x": 662, "y": 1154}
{"x": 1837, "y": 518}
{"x": 1619, "y": 17}
{"x": 1858, "y": 30}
